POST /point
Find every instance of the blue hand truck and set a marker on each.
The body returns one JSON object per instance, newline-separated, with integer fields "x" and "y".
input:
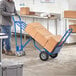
{"x": 44, "y": 55}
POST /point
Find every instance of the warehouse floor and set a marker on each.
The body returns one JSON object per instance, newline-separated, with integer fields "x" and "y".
{"x": 63, "y": 65}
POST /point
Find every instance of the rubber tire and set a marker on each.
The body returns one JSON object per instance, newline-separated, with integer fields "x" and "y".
{"x": 54, "y": 55}
{"x": 24, "y": 53}
{"x": 42, "y": 54}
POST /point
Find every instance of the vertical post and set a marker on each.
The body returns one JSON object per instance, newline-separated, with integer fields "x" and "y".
{"x": 20, "y": 34}
{"x": 48, "y": 24}
{"x": 33, "y": 1}
{"x": 0, "y": 50}
{"x": 15, "y": 36}
{"x": 56, "y": 26}
{"x": 15, "y": 33}
{"x": 0, "y": 70}
{"x": 0, "y": 57}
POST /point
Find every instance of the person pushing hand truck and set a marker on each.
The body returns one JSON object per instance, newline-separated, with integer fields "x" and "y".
{"x": 7, "y": 9}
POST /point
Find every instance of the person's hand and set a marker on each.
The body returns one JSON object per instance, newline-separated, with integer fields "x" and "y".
{"x": 13, "y": 14}
{"x": 17, "y": 14}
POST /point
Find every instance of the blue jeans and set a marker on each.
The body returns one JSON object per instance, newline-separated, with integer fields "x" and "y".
{"x": 7, "y": 31}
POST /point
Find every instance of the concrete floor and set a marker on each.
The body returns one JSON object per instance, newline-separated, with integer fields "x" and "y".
{"x": 63, "y": 65}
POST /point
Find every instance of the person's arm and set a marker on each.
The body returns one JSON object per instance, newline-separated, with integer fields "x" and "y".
{"x": 3, "y": 9}
{"x": 15, "y": 11}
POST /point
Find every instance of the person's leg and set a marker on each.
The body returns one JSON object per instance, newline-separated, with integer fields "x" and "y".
{"x": 7, "y": 41}
{"x": 7, "y": 31}
{"x": 3, "y": 30}
{"x": 3, "y": 50}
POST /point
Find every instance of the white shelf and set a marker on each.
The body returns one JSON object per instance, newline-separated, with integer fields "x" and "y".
{"x": 2, "y": 35}
{"x": 73, "y": 33}
{"x": 34, "y": 16}
{"x": 70, "y": 18}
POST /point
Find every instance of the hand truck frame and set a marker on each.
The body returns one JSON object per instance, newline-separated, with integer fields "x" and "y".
{"x": 44, "y": 55}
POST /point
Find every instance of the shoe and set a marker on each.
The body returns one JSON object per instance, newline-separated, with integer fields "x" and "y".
{"x": 3, "y": 51}
{"x": 10, "y": 53}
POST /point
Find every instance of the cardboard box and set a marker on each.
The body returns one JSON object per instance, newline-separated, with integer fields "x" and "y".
{"x": 73, "y": 28}
{"x": 52, "y": 42}
{"x": 73, "y": 21}
{"x": 31, "y": 13}
{"x": 69, "y": 14}
{"x": 24, "y": 10}
{"x": 58, "y": 37}
{"x": 42, "y": 38}
{"x": 32, "y": 31}
{"x": 38, "y": 32}
{"x": 44, "y": 31}
{"x": 35, "y": 24}
{"x": 33, "y": 28}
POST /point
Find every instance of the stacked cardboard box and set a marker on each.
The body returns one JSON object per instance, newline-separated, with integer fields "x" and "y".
{"x": 69, "y": 14}
{"x": 42, "y": 36}
{"x": 31, "y": 13}
{"x": 24, "y": 10}
{"x": 52, "y": 42}
{"x": 32, "y": 28}
{"x": 73, "y": 27}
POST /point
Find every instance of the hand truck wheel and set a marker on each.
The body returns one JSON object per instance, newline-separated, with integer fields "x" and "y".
{"x": 54, "y": 55}
{"x": 21, "y": 53}
{"x": 24, "y": 53}
{"x": 18, "y": 54}
{"x": 44, "y": 56}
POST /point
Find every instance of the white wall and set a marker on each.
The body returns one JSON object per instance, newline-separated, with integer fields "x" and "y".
{"x": 72, "y": 4}
{"x": 37, "y": 6}
{"x": 58, "y": 7}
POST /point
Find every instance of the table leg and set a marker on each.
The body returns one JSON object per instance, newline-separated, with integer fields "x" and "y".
{"x": 0, "y": 49}
{"x": 0, "y": 57}
{"x": 0, "y": 70}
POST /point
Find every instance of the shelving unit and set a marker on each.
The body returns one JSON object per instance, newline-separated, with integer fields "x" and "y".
{"x": 70, "y": 21}
{"x": 73, "y": 33}
{"x": 36, "y": 18}
{"x": 50, "y": 23}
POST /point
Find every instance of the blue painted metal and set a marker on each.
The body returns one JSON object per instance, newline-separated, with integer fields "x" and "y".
{"x": 58, "y": 47}
{"x": 69, "y": 31}
{"x": 49, "y": 53}
{"x": 40, "y": 49}
{"x": 20, "y": 36}
{"x": 23, "y": 25}
{"x": 36, "y": 45}
{"x": 27, "y": 42}
{"x": 57, "y": 50}
{"x": 17, "y": 47}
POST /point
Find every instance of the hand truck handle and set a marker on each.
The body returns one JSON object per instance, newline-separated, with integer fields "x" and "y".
{"x": 14, "y": 18}
{"x": 17, "y": 47}
{"x": 64, "y": 38}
